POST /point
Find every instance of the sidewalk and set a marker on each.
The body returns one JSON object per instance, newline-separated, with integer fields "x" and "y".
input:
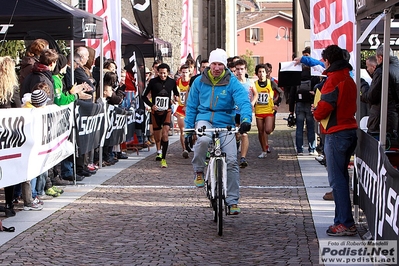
{"x": 136, "y": 213}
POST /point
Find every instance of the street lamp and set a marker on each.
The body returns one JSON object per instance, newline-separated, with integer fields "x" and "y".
{"x": 285, "y": 36}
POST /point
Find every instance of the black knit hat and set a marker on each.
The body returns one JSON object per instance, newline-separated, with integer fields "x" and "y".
{"x": 38, "y": 98}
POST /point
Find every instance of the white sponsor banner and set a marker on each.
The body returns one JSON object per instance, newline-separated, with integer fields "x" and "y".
{"x": 32, "y": 141}
{"x": 333, "y": 22}
{"x": 110, "y": 11}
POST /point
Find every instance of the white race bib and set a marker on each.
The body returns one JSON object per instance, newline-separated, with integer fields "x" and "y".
{"x": 162, "y": 103}
{"x": 263, "y": 98}
{"x": 183, "y": 96}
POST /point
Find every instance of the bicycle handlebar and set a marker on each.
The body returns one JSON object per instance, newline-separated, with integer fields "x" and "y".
{"x": 202, "y": 130}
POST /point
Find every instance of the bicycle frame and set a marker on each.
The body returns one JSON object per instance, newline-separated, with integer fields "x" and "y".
{"x": 215, "y": 188}
{"x": 216, "y": 154}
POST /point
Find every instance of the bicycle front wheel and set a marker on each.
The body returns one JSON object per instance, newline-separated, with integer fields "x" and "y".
{"x": 220, "y": 196}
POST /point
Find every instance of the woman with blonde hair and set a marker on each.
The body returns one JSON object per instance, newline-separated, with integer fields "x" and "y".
{"x": 9, "y": 92}
{"x": 9, "y": 98}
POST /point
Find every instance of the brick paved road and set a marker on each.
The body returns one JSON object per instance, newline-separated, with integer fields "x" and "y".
{"x": 146, "y": 215}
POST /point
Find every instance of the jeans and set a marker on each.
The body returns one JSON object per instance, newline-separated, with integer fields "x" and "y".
{"x": 302, "y": 112}
{"x": 338, "y": 148}
{"x": 33, "y": 187}
{"x": 228, "y": 144}
{"x": 41, "y": 183}
{"x": 66, "y": 168}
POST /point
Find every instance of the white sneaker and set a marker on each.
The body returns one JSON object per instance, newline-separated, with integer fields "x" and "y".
{"x": 319, "y": 158}
{"x": 314, "y": 153}
{"x": 37, "y": 201}
{"x": 33, "y": 207}
{"x": 262, "y": 155}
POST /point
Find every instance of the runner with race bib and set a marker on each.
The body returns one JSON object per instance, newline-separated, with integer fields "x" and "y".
{"x": 264, "y": 108}
{"x": 160, "y": 90}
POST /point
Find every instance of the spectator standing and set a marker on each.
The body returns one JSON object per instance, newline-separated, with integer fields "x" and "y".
{"x": 336, "y": 112}
{"x": 373, "y": 96}
{"x": 42, "y": 72}
{"x": 9, "y": 98}
{"x": 301, "y": 99}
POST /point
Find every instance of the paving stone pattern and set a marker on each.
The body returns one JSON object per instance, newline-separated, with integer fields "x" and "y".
{"x": 146, "y": 215}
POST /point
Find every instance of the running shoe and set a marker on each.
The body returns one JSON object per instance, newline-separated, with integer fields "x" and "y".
{"x": 44, "y": 197}
{"x": 199, "y": 179}
{"x": 163, "y": 163}
{"x": 52, "y": 192}
{"x": 262, "y": 155}
{"x": 38, "y": 201}
{"x": 185, "y": 154}
{"x": 159, "y": 157}
{"x": 243, "y": 162}
{"x": 58, "y": 190}
{"x": 33, "y": 207}
{"x": 341, "y": 230}
{"x": 234, "y": 209}
{"x": 313, "y": 153}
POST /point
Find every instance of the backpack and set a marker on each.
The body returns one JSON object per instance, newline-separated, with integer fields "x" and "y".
{"x": 303, "y": 91}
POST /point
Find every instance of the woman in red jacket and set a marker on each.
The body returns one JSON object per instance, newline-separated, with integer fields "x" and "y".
{"x": 336, "y": 112}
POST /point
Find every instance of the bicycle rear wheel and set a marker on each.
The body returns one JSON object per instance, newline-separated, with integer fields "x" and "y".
{"x": 219, "y": 196}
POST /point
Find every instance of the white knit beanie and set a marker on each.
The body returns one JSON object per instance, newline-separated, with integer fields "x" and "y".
{"x": 218, "y": 55}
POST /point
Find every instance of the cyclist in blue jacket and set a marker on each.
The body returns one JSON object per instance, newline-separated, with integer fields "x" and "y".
{"x": 211, "y": 102}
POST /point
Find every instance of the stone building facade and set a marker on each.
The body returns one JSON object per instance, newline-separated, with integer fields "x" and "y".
{"x": 209, "y": 23}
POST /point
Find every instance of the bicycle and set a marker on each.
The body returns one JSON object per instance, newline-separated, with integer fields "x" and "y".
{"x": 216, "y": 173}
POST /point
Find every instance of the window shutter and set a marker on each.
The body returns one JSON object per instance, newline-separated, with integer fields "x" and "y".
{"x": 247, "y": 35}
{"x": 261, "y": 34}
{"x": 261, "y": 60}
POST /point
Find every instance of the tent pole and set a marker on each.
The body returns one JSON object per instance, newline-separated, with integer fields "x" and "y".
{"x": 357, "y": 80}
{"x": 100, "y": 152}
{"x": 385, "y": 80}
{"x": 72, "y": 58}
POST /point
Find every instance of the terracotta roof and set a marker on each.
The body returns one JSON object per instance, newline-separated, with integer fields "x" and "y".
{"x": 246, "y": 19}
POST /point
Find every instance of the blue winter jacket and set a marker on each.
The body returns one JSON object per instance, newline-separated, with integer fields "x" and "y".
{"x": 310, "y": 61}
{"x": 216, "y": 103}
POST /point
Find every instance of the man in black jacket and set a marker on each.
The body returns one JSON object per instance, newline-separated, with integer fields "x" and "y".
{"x": 373, "y": 96}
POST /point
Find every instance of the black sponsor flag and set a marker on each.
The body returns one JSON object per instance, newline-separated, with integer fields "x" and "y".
{"x": 143, "y": 14}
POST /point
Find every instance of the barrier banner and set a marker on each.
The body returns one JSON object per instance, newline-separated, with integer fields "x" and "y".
{"x": 378, "y": 187}
{"x": 116, "y": 129}
{"x": 32, "y": 140}
{"x": 89, "y": 125}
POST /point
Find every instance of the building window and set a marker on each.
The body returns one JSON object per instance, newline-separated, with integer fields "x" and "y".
{"x": 258, "y": 59}
{"x": 254, "y": 35}
{"x": 82, "y": 4}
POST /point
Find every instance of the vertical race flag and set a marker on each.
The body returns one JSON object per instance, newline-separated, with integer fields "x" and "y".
{"x": 187, "y": 33}
{"x": 110, "y": 11}
{"x": 333, "y": 23}
{"x": 142, "y": 11}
